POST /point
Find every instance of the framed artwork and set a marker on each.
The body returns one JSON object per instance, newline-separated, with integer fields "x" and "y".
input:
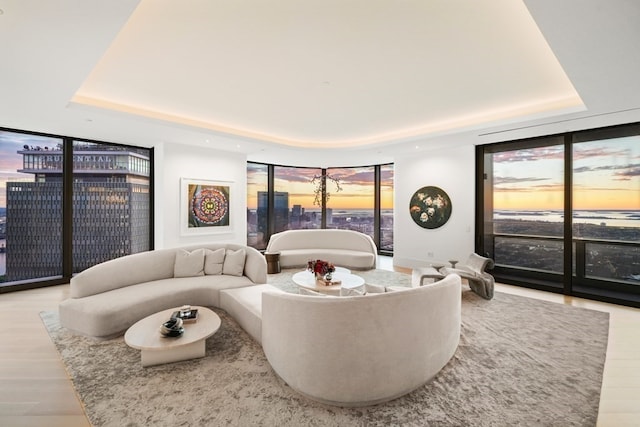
{"x": 205, "y": 206}
{"x": 430, "y": 207}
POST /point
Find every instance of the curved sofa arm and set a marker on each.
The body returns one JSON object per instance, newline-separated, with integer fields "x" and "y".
{"x": 255, "y": 266}
{"x": 362, "y": 350}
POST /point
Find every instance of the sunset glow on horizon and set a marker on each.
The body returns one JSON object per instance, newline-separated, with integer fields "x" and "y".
{"x": 606, "y": 176}
{"x": 356, "y": 187}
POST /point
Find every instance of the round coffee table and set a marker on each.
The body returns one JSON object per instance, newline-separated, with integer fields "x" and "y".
{"x": 156, "y": 349}
{"x": 306, "y": 279}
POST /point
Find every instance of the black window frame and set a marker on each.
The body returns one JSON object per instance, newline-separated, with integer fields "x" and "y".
{"x": 566, "y": 283}
{"x": 67, "y": 209}
{"x": 377, "y": 199}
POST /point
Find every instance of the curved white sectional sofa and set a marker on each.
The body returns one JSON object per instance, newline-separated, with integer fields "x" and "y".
{"x": 108, "y": 298}
{"x": 344, "y": 351}
{"x": 345, "y": 248}
{"x": 362, "y": 350}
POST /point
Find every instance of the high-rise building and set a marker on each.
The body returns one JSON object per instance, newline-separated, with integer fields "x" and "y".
{"x": 280, "y": 210}
{"x": 111, "y": 206}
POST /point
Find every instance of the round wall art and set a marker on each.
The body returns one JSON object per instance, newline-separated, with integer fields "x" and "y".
{"x": 430, "y": 207}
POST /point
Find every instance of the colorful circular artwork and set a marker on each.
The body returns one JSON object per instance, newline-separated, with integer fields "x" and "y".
{"x": 430, "y": 207}
{"x": 209, "y": 205}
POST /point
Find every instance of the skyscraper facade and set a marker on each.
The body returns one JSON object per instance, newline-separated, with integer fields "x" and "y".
{"x": 111, "y": 208}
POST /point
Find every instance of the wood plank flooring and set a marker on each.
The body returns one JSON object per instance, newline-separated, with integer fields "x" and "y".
{"x": 35, "y": 389}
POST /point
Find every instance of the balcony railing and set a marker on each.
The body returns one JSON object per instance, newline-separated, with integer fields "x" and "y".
{"x": 594, "y": 260}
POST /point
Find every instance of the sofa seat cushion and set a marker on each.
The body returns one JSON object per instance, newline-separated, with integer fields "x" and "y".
{"x": 111, "y": 313}
{"x": 340, "y": 257}
{"x": 245, "y": 306}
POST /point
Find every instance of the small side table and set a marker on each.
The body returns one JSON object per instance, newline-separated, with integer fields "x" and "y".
{"x": 453, "y": 263}
{"x": 273, "y": 262}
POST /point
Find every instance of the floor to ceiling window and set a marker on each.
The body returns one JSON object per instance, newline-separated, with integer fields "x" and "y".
{"x": 563, "y": 213}
{"x": 67, "y": 205}
{"x": 287, "y": 198}
{"x": 353, "y": 207}
{"x": 30, "y": 208}
{"x": 294, "y": 205}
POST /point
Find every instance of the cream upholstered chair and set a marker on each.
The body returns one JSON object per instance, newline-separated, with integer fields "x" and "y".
{"x": 480, "y": 282}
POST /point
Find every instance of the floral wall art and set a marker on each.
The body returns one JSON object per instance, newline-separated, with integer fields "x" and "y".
{"x": 205, "y": 206}
{"x": 430, "y": 207}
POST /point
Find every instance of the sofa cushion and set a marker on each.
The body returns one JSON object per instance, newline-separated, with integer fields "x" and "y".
{"x": 189, "y": 264}
{"x": 290, "y": 258}
{"x": 234, "y": 262}
{"x": 110, "y": 313}
{"x": 213, "y": 261}
{"x": 245, "y": 306}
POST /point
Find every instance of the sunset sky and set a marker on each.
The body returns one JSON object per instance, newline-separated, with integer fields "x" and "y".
{"x": 11, "y": 161}
{"x": 356, "y": 187}
{"x": 606, "y": 176}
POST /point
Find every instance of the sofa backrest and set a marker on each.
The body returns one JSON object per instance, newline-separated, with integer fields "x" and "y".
{"x": 334, "y": 349}
{"x": 153, "y": 265}
{"x": 321, "y": 239}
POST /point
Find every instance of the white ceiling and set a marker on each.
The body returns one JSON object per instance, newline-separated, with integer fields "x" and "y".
{"x": 287, "y": 79}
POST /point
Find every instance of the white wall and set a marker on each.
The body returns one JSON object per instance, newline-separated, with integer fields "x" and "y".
{"x": 173, "y": 162}
{"x": 453, "y": 170}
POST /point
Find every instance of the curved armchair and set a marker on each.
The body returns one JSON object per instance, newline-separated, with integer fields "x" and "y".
{"x": 480, "y": 282}
{"x": 361, "y": 350}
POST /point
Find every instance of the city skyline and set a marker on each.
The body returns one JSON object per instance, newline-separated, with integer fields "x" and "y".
{"x": 356, "y": 184}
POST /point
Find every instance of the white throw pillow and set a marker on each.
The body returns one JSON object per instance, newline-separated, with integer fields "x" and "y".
{"x": 189, "y": 264}
{"x": 234, "y": 262}
{"x": 213, "y": 261}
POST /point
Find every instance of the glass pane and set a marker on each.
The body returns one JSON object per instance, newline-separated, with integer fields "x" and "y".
{"x": 295, "y": 188}
{"x": 386, "y": 207}
{"x": 351, "y": 199}
{"x": 528, "y": 200}
{"x": 612, "y": 262}
{"x": 111, "y": 202}
{"x": 532, "y": 254}
{"x": 257, "y": 205}
{"x": 30, "y": 207}
{"x": 606, "y": 207}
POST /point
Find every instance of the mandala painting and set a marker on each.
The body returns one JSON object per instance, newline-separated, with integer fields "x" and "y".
{"x": 206, "y": 204}
{"x": 430, "y": 207}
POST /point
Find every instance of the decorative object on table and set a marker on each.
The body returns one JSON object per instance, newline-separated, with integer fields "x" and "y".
{"x": 323, "y": 271}
{"x": 172, "y": 327}
{"x": 430, "y": 207}
{"x": 205, "y": 206}
{"x": 186, "y": 313}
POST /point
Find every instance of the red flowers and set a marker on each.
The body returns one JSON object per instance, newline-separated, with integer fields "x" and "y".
{"x": 320, "y": 267}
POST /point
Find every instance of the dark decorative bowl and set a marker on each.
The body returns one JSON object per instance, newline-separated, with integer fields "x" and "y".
{"x": 172, "y": 328}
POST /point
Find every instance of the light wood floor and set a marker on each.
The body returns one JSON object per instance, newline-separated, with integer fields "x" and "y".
{"x": 35, "y": 389}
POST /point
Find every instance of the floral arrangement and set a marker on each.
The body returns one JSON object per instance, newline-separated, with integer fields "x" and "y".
{"x": 320, "y": 267}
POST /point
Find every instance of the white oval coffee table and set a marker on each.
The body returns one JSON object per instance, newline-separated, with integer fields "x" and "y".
{"x": 306, "y": 279}
{"x": 155, "y": 349}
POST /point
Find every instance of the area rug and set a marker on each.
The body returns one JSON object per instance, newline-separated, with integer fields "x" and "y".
{"x": 520, "y": 362}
